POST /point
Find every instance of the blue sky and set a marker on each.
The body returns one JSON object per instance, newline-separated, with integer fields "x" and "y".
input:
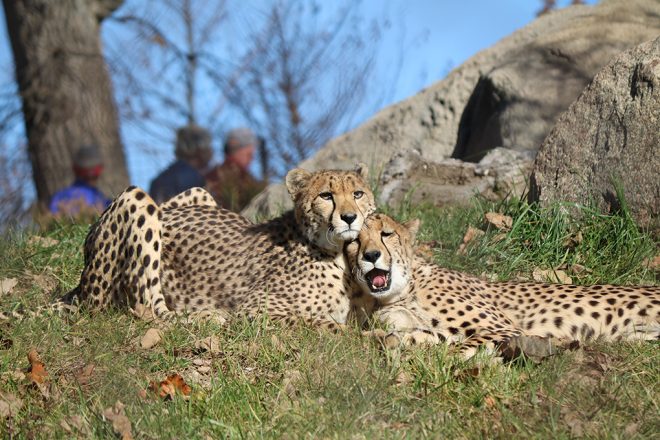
{"x": 436, "y": 35}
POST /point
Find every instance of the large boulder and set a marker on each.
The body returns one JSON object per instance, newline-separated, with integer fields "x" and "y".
{"x": 608, "y": 140}
{"x": 508, "y": 95}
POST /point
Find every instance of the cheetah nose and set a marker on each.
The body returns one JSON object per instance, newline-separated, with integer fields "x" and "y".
{"x": 372, "y": 256}
{"x": 348, "y": 218}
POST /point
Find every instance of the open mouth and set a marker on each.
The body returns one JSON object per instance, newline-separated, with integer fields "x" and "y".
{"x": 378, "y": 280}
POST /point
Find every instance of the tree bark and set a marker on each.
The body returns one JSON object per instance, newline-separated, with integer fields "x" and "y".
{"x": 65, "y": 89}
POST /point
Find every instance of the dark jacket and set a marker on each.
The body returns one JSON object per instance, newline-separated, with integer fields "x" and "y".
{"x": 177, "y": 178}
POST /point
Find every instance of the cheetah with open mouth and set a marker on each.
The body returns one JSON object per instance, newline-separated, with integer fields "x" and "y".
{"x": 424, "y": 303}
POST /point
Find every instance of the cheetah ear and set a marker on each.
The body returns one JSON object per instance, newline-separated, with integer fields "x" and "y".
{"x": 413, "y": 227}
{"x": 362, "y": 169}
{"x": 296, "y": 180}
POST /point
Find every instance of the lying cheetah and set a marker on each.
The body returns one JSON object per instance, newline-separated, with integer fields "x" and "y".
{"x": 291, "y": 267}
{"x": 189, "y": 255}
{"x": 427, "y": 303}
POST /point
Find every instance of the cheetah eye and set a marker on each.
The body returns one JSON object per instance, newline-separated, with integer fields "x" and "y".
{"x": 358, "y": 194}
{"x": 326, "y": 195}
{"x": 386, "y": 233}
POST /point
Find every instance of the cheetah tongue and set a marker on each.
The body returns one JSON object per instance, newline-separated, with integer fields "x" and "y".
{"x": 378, "y": 278}
{"x": 379, "y": 281}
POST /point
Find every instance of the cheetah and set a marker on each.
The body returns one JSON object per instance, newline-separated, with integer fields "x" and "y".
{"x": 290, "y": 268}
{"x": 427, "y": 303}
{"x": 190, "y": 257}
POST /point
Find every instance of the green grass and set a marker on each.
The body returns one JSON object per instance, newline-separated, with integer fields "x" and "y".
{"x": 272, "y": 381}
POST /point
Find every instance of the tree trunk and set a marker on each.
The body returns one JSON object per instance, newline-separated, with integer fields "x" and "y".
{"x": 65, "y": 89}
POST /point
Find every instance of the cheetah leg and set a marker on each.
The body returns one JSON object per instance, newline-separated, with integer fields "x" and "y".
{"x": 123, "y": 255}
{"x": 192, "y": 197}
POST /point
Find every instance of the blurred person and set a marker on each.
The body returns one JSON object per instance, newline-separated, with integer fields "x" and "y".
{"x": 193, "y": 153}
{"x": 82, "y": 196}
{"x": 231, "y": 183}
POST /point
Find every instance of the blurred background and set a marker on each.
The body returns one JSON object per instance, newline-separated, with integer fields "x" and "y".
{"x": 297, "y": 73}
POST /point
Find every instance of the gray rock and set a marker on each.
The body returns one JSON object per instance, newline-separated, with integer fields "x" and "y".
{"x": 610, "y": 134}
{"x": 513, "y": 92}
{"x": 412, "y": 179}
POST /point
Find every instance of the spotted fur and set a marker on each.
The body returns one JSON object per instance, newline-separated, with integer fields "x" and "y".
{"x": 436, "y": 304}
{"x": 191, "y": 257}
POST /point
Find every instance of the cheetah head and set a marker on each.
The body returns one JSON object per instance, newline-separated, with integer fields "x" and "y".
{"x": 330, "y": 206}
{"x": 382, "y": 256}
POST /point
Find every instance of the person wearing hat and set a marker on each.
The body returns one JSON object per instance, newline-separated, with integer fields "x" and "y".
{"x": 82, "y": 195}
{"x": 231, "y": 183}
{"x": 193, "y": 153}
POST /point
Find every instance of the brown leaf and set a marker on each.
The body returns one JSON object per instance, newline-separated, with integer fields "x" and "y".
{"x": 37, "y": 370}
{"x": 292, "y": 379}
{"x": 499, "y": 221}
{"x": 572, "y": 240}
{"x": 120, "y": 422}
{"x": 75, "y": 425}
{"x": 490, "y": 401}
{"x": 551, "y": 275}
{"x": 169, "y": 387}
{"x": 9, "y": 404}
{"x": 470, "y": 235}
{"x": 574, "y": 421}
{"x": 7, "y": 285}
{"x": 579, "y": 269}
{"x": 210, "y": 345}
{"x": 44, "y": 281}
{"x": 403, "y": 378}
{"x": 84, "y": 375}
{"x": 652, "y": 263}
{"x": 151, "y": 338}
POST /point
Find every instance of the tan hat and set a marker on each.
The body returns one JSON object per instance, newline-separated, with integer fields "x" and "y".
{"x": 240, "y": 138}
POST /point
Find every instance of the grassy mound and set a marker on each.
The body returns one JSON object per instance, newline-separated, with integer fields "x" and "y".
{"x": 261, "y": 379}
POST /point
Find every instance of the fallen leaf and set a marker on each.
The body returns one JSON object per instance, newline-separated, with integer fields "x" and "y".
{"x": 652, "y": 263}
{"x": 44, "y": 281}
{"x": 499, "y": 221}
{"x": 7, "y": 285}
{"x": 75, "y": 425}
{"x": 292, "y": 379}
{"x": 551, "y": 275}
{"x": 489, "y": 401}
{"x": 210, "y": 345}
{"x": 84, "y": 375}
{"x": 467, "y": 373}
{"x": 9, "y": 404}
{"x": 579, "y": 269}
{"x": 631, "y": 429}
{"x": 403, "y": 378}
{"x": 42, "y": 241}
{"x": 168, "y": 388}
{"x": 572, "y": 240}
{"x": 278, "y": 344}
{"x": 120, "y": 422}
{"x": 151, "y": 338}
{"x": 470, "y": 235}
{"x": 37, "y": 370}
{"x": 574, "y": 421}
